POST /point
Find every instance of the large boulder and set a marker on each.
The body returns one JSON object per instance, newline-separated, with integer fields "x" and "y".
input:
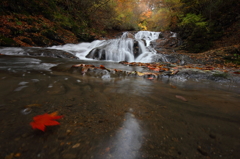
{"x": 171, "y": 42}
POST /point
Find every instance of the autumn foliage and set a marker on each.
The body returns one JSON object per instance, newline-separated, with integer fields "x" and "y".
{"x": 41, "y": 121}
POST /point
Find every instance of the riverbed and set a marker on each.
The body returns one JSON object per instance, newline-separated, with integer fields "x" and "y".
{"x": 108, "y": 117}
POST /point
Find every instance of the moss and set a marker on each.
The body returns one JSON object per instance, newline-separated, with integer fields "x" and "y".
{"x": 221, "y": 75}
{"x": 5, "y": 41}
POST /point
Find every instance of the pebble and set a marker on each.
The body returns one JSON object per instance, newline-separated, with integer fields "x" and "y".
{"x": 23, "y": 83}
{"x": 26, "y": 111}
{"x": 68, "y": 131}
{"x": 76, "y": 145}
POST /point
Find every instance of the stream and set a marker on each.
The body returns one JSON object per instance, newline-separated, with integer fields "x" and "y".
{"x": 108, "y": 116}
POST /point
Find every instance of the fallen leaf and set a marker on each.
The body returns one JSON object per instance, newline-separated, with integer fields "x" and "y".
{"x": 84, "y": 70}
{"x": 78, "y": 65}
{"x": 140, "y": 74}
{"x": 173, "y": 86}
{"x": 236, "y": 72}
{"x": 33, "y": 105}
{"x": 41, "y": 121}
{"x": 117, "y": 70}
{"x": 76, "y": 145}
{"x": 102, "y": 67}
{"x": 154, "y": 68}
{"x": 17, "y": 155}
{"x": 181, "y": 97}
{"x": 174, "y": 72}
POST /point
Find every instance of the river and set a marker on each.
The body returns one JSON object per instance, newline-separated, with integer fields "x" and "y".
{"x": 108, "y": 117}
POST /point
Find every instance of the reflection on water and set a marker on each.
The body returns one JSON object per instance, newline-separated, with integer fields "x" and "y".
{"x": 14, "y": 64}
{"x": 127, "y": 141}
{"x": 137, "y": 86}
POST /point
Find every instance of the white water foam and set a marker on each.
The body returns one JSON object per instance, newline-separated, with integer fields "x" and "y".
{"x": 80, "y": 50}
{"x": 121, "y": 49}
{"x": 148, "y": 36}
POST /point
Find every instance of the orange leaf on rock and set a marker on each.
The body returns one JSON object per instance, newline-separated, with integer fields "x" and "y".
{"x": 41, "y": 121}
{"x": 102, "y": 67}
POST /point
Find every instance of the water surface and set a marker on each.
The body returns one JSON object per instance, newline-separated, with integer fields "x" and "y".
{"x": 113, "y": 118}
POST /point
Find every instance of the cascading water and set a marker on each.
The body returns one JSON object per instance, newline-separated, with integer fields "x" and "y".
{"x": 148, "y": 36}
{"x": 126, "y": 48}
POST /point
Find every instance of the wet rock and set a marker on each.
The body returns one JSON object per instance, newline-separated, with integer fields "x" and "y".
{"x": 171, "y": 59}
{"x": 46, "y": 53}
{"x": 135, "y": 49}
{"x": 129, "y": 35}
{"x": 167, "y": 34}
{"x": 164, "y": 58}
{"x": 98, "y": 53}
{"x": 166, "y": 43}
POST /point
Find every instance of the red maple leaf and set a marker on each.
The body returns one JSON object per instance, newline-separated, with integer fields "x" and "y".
{"x": 41, "y": 121}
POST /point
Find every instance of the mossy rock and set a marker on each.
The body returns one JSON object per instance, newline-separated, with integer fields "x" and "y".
{"x": 5, "y": 41}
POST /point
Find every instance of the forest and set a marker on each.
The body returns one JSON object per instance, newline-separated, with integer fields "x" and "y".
{"x": 51, "y": 22}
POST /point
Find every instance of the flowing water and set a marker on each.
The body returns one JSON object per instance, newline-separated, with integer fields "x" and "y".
{"x": 121, "y": 49}
{"x": 109, "y": 117}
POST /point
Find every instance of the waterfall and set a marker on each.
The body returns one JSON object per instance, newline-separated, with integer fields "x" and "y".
{"x": 148, "y": 36}
{"x": 131, "y": 48}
